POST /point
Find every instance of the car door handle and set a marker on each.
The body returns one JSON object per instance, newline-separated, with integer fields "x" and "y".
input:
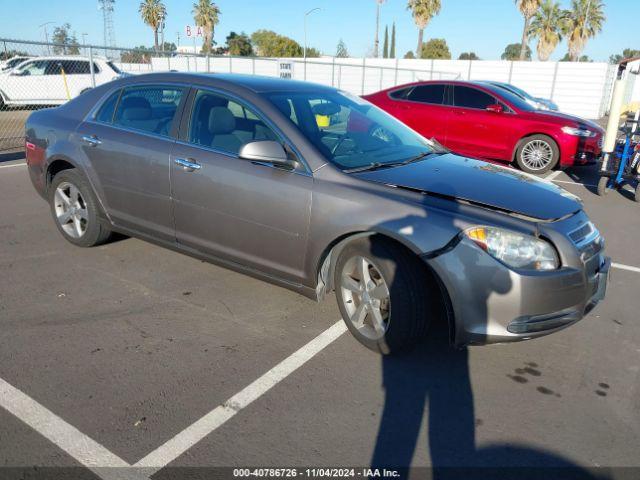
{"x": 92, "y": 140}
{"x": 187, "y": 165}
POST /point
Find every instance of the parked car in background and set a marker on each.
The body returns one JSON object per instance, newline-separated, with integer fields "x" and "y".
{"x": 317, "y": 190}
{"x": 484, "y": 121}
{"x": 12, "y": 62}
{"x": 53, "y": 80}
{"x": 537, "y": 102}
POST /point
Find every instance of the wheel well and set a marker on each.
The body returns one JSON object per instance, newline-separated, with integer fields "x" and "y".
{"x": 528, "y": 135}
{"x": 56, "y": 167}
{"x": 328, "y": 260}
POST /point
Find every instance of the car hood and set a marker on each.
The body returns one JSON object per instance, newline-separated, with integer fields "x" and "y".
{"x": 566, "y": 119}
{"x": 481, "y": 183}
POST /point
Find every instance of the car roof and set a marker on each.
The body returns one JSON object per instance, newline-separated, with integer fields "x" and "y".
{"x": 65, "y": 57}
{"x": 255, "y": 83}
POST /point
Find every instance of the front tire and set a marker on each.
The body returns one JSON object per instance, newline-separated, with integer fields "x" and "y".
{"x": 75, "y": 210}
{"x": 537, "y": 154}
{"x": 383, "y": 294}
{"x": 637, "y": 194}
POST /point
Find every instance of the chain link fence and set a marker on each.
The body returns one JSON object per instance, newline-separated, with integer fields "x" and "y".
{"x": 35, "y": 75}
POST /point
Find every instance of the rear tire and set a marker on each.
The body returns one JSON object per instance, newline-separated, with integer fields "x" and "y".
{"x": 637, "y": 195}
{"x": 603, "y": 184}
{"x": 76, "y": 211}
{"x": 537, "y": 154}
{"x": 384, "y": 294}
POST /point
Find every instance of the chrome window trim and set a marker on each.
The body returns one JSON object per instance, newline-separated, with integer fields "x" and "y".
{"x": 244, "y": 103}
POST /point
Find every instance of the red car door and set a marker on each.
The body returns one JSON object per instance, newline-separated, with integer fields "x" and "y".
{"x": 479, "y": 125}
{"x": 423, "y": 108}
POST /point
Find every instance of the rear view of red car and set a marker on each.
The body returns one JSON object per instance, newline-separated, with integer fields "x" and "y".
{"x": 481, "y": 120}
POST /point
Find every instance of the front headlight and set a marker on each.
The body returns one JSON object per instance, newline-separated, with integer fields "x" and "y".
{"x": 515, "y": 249}
{"x": 578, "y": 132}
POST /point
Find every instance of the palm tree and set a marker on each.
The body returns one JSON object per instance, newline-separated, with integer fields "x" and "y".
{"x": 527, "y": 8}
{"x": 547, "y": 26}
{"x": 207, "y": 15}
{"x": 423, "y": 11}
{"x": 583, "y": 21}
{"x": 376, "y": 41}
{"x": 153, "y": 13}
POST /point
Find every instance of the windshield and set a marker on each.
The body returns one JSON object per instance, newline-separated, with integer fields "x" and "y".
{"x": 113, "y": 67}
{"x": 349, "y": 131}
{"x": 13, "y": 62}
{"x": 514, "y": 99}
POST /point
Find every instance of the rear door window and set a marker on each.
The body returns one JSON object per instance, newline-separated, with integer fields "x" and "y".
{"x": 149, "y": 109}
{"x": 468, "y": 97}
{"x": 433, "y": 94}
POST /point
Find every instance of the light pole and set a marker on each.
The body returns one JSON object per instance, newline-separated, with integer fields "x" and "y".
{"x": 304, "y": 50}
{"x": 46, "y": 36}
{"x": 84, "y": 41}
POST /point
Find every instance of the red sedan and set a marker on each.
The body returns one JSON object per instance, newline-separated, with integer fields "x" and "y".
{"x": 481, "y": 120}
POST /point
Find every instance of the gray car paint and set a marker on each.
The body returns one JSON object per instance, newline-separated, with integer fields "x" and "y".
{"x": 288, "y": 227}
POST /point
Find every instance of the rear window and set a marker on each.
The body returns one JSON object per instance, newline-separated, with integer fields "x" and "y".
{"x": 105, "y": 114}
{"x": 400, "y": 94}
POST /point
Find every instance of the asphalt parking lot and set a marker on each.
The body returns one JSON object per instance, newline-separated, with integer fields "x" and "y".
{"x": 130, "y": 354}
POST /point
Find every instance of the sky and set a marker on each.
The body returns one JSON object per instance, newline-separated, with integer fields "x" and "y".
{"x": 482, "y": 26}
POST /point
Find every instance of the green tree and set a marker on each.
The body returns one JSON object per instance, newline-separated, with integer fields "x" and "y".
{"x": 392, "y": 49}
{"x": 468, "y": 56}
{"x": 385, "y": 45}
{"x": 527, "y": 8}
{"x": 626, "y": 53}
{"x": 546, "y": 26}
{"x": 583, "y": 21}
{"x": 6, "y": 55}
{"x": 341, "y": 50}
{"x": 206, "y": 15}
{"x": 512, "y": 52}
{"x": 436, "y": 48}
{"x": 153, "y": 13}
{"x": 583, "y": 58}
{"x": 67, "y": 42}
{"x": 168, "y": 47}
{"x": 313, "y": 52}
{"x": 376, "y": 42}
{"x": 268, "y": 43}
{"x": 239, "y": 44}
{"x": 139, "y": 54}
{"x": 423, "y": 11}
{"x": 409, "y": 55}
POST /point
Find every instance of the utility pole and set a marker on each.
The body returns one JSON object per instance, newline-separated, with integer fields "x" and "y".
{"x": 304, "y": 50}
{"x": 46, "y": 35}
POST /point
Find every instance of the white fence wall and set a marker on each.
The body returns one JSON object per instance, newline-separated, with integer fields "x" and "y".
{"x": 582, "y": 89}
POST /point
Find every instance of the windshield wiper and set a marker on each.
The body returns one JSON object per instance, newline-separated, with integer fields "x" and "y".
{"x": 379, "y": 165}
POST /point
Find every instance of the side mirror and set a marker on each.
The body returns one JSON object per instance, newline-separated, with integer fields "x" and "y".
{"x": 267, "y": 151}
{"x": 495, "y": 108}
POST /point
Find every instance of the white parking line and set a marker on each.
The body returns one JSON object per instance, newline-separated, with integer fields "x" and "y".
{"x": 626, "y": 267}
{"x": 14, "y": 165}
{"x": 575, "y": 183}
{"x": 82, "y": 448}
{"x": 553, "y": 175}
{"x": 186, "y": 439}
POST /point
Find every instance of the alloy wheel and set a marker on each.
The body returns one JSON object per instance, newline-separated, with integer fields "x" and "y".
{"x": 71, "y": 210}
{"x": 366, "y": 297}
{"x": 537, "y": 154}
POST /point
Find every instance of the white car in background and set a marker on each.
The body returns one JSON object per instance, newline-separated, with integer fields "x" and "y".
{"x": 53, "y": 80}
